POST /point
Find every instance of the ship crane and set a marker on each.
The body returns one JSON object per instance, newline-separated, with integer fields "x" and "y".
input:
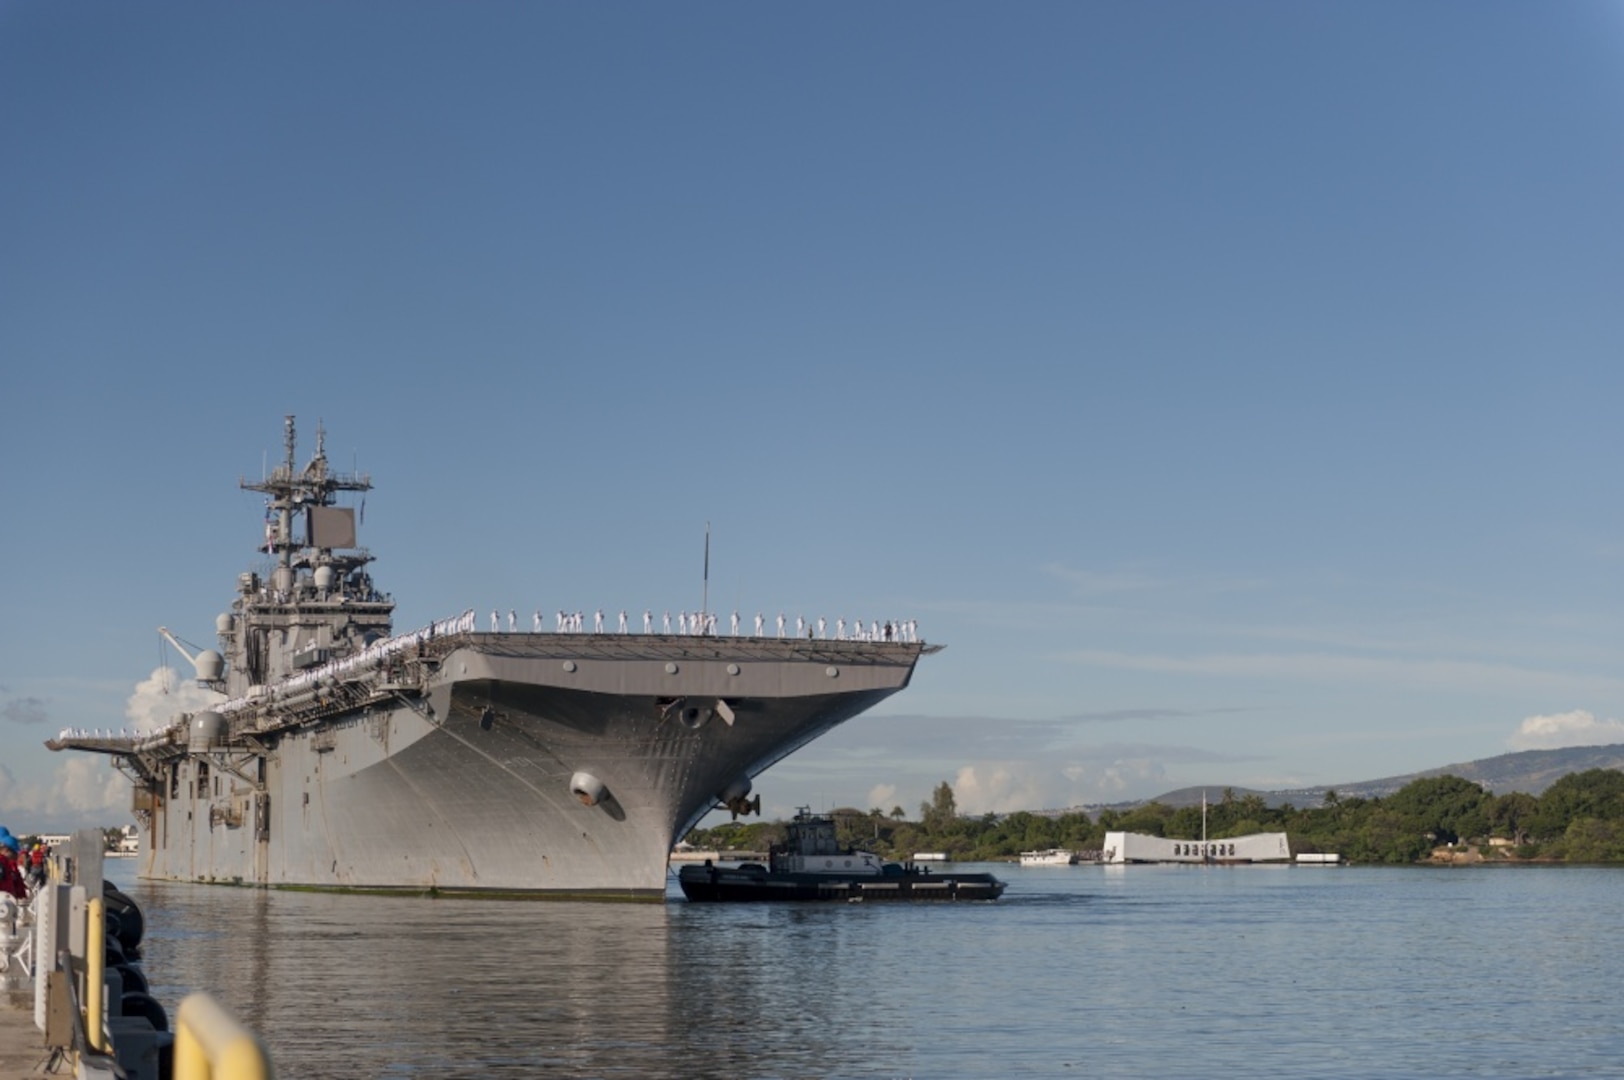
{"x": 210, "y": 665}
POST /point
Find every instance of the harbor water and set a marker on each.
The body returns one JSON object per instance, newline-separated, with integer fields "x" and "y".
{"x": 1140, "y": 971}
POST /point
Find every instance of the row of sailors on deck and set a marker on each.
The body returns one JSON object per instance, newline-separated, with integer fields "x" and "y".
{"x": 703, "y": 624}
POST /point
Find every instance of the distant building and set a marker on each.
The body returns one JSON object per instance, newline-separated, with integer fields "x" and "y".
{"x": 128, "y": 842}
{"x": 1126, "y": 847}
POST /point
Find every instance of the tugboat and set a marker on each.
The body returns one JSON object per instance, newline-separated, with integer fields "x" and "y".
{"x": 812, "y": 865}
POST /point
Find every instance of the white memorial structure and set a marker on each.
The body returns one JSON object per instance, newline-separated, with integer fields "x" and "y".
{"x": 1126, "y": 847}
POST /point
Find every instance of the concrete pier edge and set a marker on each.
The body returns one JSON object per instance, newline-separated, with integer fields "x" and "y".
{"x": 22, "y": 1045}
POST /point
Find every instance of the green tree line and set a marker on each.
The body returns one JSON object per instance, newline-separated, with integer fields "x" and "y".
{"x": 1580, "y": 818}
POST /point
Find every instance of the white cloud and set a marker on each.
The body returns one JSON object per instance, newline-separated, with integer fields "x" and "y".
{"x": 883, "y": 795}
{"x": 82, "y": 792}
{"x": 88, "y": 786}
{"x": 999, "y": 787}
{"x": 1129, "y": 775}
{"x": 158, "y": 698}
{"x": 1576, "y": 728}
{"x": 1003, "y": 787}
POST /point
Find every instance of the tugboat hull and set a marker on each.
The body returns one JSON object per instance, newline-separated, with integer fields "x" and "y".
{"x": 756, "y": 883}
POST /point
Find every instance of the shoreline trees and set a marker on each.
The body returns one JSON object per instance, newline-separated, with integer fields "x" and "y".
{"x": 1580, "y": 818}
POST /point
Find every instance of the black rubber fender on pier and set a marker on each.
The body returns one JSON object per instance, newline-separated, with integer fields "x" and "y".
{"x": 144, "y": 1005}
{"x": 132, "y": 925}
{"x": 135, "y": 981}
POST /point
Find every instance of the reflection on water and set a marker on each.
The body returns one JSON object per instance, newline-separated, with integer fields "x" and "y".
{"x": 1143, "y": 971}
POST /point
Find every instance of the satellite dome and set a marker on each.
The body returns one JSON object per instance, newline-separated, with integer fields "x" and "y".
{"x": 210, "y": 666}
{"x": 208, "y": 730}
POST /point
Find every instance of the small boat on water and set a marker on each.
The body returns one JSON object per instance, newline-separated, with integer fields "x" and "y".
{"x": 1049, "y": 857}
{"x": 812, "y": 865}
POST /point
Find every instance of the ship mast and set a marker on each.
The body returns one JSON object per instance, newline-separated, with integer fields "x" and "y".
{"x": 291, "y": 491}
{"x": 319, "y": 603}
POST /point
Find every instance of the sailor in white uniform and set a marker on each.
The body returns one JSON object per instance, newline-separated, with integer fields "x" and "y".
{"x": 758, "y": 624}
{"x": 622, "y": 622}
{"x": 648, "y": 621}
{"x": 734, "y": 627}
{"x": 597, "y": 622}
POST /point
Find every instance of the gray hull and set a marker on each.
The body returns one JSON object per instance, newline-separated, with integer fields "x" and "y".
{"x": 469, "y": 788}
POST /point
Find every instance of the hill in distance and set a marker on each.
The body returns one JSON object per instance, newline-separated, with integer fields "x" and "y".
{"x": 1530, "y": 771}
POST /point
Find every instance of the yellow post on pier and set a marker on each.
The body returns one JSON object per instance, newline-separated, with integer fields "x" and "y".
{"x": 95, "y": 967}
{"x": 211, "y": 1045}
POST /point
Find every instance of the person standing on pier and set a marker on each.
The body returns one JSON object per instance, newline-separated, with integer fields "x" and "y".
{"x": 11, "y": 879}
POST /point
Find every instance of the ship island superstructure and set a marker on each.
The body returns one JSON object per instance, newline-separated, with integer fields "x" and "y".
{"x": 344, "y": 756}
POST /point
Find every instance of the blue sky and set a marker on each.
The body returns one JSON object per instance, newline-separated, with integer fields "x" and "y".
{"x": 1232, "y": 388}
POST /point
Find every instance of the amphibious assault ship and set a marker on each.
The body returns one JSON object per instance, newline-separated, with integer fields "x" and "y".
{"x": 343, "y": 756}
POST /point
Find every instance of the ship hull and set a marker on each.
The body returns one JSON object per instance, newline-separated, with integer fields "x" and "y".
{"x": 469, "y": 788}
{"x": 341, "y": 755}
